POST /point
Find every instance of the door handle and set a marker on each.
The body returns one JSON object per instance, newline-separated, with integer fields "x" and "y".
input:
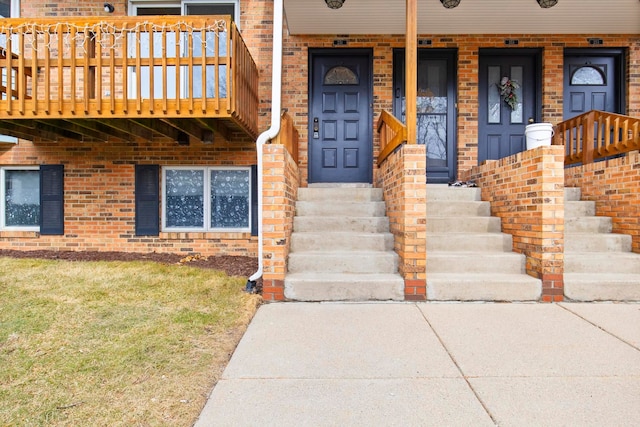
{"x": 316, "y": 128}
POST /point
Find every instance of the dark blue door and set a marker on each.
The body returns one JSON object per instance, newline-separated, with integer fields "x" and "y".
{"x": 501, "y": 125}
{"x": 340, "y": 117}
{"x": 590, "y": 83}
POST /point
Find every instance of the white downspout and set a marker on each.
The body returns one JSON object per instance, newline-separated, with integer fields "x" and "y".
{"x": 272, "y": 132}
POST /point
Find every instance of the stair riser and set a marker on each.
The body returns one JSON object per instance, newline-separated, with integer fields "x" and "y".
{"x": 301, "y": 242}
{"x": 343, "y": 263}
{"x": 444, "y": 193}
{"x": 334, "y": 195}
{"x": 494, "y": 242}
{"x": 373, "y": 209}
{"x": 597, "y": 243}
{"x": 443, "y": 262}
{"x": 579, "y": 209}
{"x": 602, "y": 262}
{"x": 450, "y": 290}
{"x": 351, "y": 290}
{"x": 584, "y": 290}
{"x": 588, "y": 225}
{"x": 463, "y": 225}
{"x": 572, "y": 194}
{"x": 440, "y": 208}
{"x": 328, "y": 224}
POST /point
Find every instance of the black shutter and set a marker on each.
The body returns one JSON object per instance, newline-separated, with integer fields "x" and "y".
{"x": 254, "y": 200}
{"x": 147, "y": 200}
{"x": 52, "y": 200}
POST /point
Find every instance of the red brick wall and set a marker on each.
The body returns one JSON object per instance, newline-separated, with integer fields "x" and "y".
{"x": 615, "y": 187}
{"x": 281, "y": 182}
{"x": 403, "y": 178}
{"x": 99, "y": 195}
{"x": 527, "y": 192}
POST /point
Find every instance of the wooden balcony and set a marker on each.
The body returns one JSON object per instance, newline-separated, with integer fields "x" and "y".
{"x": 97, "y": 79}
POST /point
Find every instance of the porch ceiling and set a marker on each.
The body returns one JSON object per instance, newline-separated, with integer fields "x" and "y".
{"x": 470, "y": 17}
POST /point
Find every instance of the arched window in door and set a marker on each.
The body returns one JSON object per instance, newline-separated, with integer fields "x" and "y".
{"x": 341, "y": 75}
{"x": 588, "y": 75}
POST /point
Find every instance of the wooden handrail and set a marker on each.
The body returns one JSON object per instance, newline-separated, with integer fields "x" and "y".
{"x": 150, "y": 66}
{"x": 288, "y": 136}
{"x": 393, "y": 133}
{"x": 596, "y": 135}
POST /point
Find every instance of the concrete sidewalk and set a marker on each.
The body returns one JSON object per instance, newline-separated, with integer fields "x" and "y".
{"x": 419, "y": 364}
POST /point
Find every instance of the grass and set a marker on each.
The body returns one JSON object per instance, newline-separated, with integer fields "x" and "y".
{"x": 113, "y": 343}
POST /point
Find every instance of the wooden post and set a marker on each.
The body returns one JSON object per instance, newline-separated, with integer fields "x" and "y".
{"x": 411, "y": 70}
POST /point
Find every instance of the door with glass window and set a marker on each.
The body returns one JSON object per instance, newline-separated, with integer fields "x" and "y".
{"x": 591, "y": 82}
{"x": 507, "y": 103}
{"x": 340, "y": 116}
{"x": 436, "y": 108}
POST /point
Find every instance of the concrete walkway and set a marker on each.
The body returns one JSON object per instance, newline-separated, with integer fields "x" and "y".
{"x": 420, "y": 364}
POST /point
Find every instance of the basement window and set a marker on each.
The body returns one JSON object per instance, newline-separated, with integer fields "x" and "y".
{"x": 20, "y": 199}
{"x": 206, "y": 199}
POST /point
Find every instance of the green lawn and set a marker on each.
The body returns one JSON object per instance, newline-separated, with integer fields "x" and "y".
{"x": 114, "y": 343}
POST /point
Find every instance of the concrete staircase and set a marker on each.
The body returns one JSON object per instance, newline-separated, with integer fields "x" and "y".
{"x": 599, "y": 265}
{"x": 468, "y": 257}
{"x": 341, "y": 248}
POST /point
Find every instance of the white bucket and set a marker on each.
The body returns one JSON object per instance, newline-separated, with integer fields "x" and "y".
{"x": 538, "y": 134}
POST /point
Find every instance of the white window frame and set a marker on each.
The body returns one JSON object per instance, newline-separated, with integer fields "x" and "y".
{"x": 134, "y": 5}
{"x": 3, "y": 199}
{"x": 207, "y": 200}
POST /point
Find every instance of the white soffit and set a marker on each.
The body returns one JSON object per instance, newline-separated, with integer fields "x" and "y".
{"x": 470, "y": 17}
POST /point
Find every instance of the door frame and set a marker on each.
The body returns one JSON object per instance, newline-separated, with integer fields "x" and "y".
{"x": 399, "y": 90}
{"x": 619, "y": 56}
{"x": 533, "y": 53}
{"x": 314, "y": 53}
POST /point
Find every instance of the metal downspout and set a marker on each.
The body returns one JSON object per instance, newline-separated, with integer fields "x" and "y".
{"x": 272, "y": 132}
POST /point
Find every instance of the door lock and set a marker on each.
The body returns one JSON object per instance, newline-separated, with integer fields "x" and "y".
{"x": 316, "y": 128}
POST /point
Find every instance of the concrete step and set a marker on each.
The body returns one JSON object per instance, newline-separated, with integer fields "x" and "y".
{"x": 588, "y": 224}
{"x": 477, "y": 242}
{"x": 337, "y": 223}
{"x": 444, "y": 192}
{"x": 343, "y": 262}
{"x": 490, "y": 286}
{"x": 335, "y": 195}
{"x": 324, "y": 208}
{"x": 301, "y": 242}
{"x": 458, "y": 208}
{"x": 602, "y": 287}
{"x": 572, "y": 194}
{"x": 343, "y": 287}
{"x": 602, "y": 262}
{"x": 480, "y": 224}
{"x": 579, "y": 209}
{"x": 597, "y": 242}
{"x": 475, "y": 262}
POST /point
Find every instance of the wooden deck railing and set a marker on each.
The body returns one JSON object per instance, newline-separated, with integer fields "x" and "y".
{"x": 288, "y": 136}
{"x": 393, "y": 133}
{"x": 143, "y": 67}
{"x": 597, "y": 135}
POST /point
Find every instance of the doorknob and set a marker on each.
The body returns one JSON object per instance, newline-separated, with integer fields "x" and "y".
{"x": 531, "y": 120}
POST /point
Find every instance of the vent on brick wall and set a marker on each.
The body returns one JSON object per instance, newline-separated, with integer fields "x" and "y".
{"x": 511, "y": 42}
{"x": 595, "y": 41}
{"x": 339, "y": 42}
{"x": 424, "y": 42}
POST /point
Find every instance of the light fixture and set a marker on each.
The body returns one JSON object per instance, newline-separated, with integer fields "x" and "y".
{"x": 183, "y": 138}
{"x": 334, "y": 4}
{"x": 545, "y": 4}
{"x": 450, "y": 4}
{"x": 108, "y": 7}
{"x": 207, "y": 136}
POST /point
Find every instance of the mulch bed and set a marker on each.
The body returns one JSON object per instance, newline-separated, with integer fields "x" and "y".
{"x": 232, "y": 265}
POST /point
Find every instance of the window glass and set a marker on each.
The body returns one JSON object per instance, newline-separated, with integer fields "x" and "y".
{"x": 340, "y": 75}
{"x": 588, "y": 76}
{"x": 184, "y": 198}
{"x": 5, "y": 8}
{"x": 20, "y": 198}
{"x": 230, "y": 198}
{"x": 202, "y": 199}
